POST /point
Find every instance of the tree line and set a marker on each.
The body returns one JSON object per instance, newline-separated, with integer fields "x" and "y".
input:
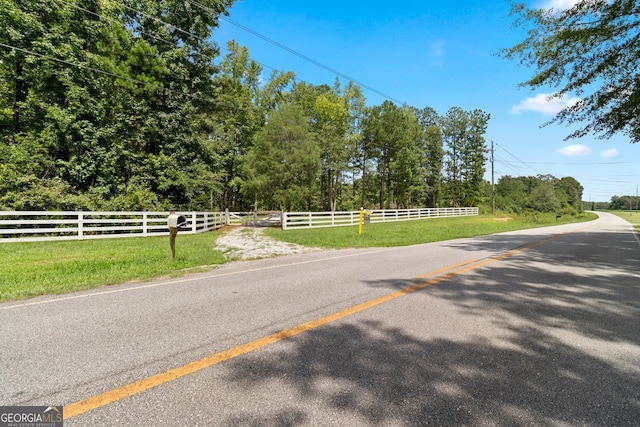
{"x": 619, "y": 203}
{"x": 129, "y": 105}
{"x": 541, "y": 193}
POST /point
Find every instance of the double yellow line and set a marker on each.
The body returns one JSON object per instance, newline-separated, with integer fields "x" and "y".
{"x": 144, "y": 384}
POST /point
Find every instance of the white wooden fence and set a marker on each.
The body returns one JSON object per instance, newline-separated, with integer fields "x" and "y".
{"x": 25, "y": 226}
{"x": 333, "y": 219}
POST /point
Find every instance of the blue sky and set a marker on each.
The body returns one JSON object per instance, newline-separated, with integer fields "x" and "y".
{"x": 438, "y": 54}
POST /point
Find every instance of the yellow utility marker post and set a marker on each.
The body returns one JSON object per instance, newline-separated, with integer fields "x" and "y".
{"x": 363, "y": 215}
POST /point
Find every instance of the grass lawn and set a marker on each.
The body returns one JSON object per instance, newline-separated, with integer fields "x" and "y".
{"x": 39, "y": 268}
{"x": 632, "y": 217}
{"x": 415, "y": 232}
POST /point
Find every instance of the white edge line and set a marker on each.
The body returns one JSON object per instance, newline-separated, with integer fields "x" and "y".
{"x": 193, "y": 279}
{"x": 182, "y": 280}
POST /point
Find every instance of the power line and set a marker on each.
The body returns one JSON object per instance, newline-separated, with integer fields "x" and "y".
{"x": 524, "y": 163}
{"x": 516, "y": 169}
{"x": 192, "y": 35}
{"x": 604, "y": 181}
{"x": 156, "y": 19}
{"x": 72, "y": 63}
{"x": 585, "y": 163}
{"x": 617, "y": 176}
{"x": 116, "y": 21}
{"x": 298, "y": 54}
{"x": 118, "y": 76}
{"x": 161, "y": 21}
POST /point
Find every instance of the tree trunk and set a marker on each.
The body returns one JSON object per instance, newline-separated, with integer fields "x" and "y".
{"x": 20, "y": 95}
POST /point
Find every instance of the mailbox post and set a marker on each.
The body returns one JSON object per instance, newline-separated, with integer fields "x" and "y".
{"x": 175, "y": 223}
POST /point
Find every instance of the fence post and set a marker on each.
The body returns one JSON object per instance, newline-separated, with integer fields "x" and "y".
{"x": 80, "y": 225}
{"x": 144, "y": 224}
{"x": 283, "y": 220}
{"x": 226, "y": 216}
{"x": 194, "y": 225}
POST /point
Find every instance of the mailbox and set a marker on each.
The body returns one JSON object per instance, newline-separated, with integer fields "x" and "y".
{"x": 176, "y": 221}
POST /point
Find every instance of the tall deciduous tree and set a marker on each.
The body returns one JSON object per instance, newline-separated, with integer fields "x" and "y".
{"x": 111, "y": 97}
{"x": 235, "y": 125}
{"x": 39, "y": 100}
{"x": 283, "y": 165}
{"x": 454, "y": 134}
{"x": 405, "y": 169}
{"x": 332, "y": 121}
{"x": 592, "y": 50}
{"x": 334, "y": 112}
{"x": 474, "y": 158}
{"x": 388, "y": 130}
{"x": 463, "y": 135}
{"x": 432, "y": 154}
{"x": 569, "y": 190}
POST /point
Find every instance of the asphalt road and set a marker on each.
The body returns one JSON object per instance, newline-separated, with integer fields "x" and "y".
{"x": 537, "y": 327}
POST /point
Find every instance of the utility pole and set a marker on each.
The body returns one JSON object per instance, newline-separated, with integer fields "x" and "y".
{"x": 493, "y": 186}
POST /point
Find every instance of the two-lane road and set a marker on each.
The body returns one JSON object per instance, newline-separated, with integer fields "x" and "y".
{"x": 536, "y": 327}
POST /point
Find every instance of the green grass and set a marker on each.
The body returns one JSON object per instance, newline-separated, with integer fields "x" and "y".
{"x": 631, "y": 217}
{"x": 416, "y": 232}
{"x": 39, "y": 268}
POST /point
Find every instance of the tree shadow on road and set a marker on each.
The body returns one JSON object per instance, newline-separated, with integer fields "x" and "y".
{"x": 569, "y": 248}
{"x": 380, "y": 374}
{"x": 561, "y": 284}
{"x": 383, "y": 376}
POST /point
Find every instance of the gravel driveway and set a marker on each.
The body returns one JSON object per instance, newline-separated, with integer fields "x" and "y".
{"x": 251, "y": 243}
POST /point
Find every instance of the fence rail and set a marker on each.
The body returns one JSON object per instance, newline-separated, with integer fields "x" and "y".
{"x": 33, "y": 226}
{"x": 332, "y": 219}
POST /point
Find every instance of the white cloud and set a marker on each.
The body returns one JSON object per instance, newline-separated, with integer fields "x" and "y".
{"x": 559, "y": 5}
{"x": 544, "y": 104}
{"x": 607, "y": 154}
{"x": 575, "y": 150}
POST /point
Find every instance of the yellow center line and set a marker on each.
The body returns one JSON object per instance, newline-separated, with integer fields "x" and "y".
{"x": 144, "y": 384}
{"x": 447, "y": 268}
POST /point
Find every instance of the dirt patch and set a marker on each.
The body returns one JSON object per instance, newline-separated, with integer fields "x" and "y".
{"x": 251, "y": 243}
{"x": 502, "y": 219}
